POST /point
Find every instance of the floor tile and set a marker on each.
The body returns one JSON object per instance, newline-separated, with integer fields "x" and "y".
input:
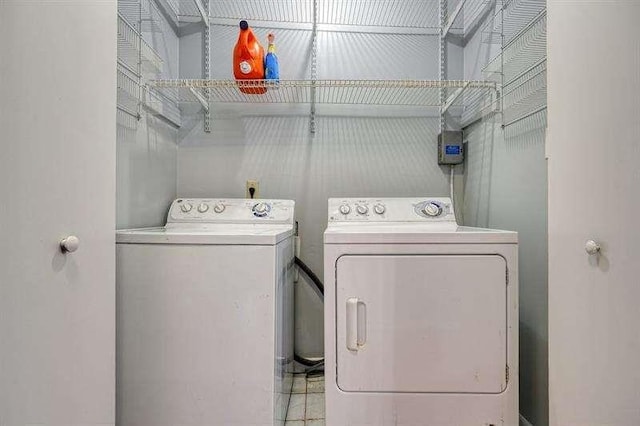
{"x": 315, "y": 385}
{"x": 296, "y": 407}
{"x": 318, "y": 422}
{"x": 299, "y": 384}
{"x": 315, "y": 406}
{"x": 295, "y": 423}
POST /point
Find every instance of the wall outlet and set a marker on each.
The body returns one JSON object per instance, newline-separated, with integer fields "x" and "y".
{"x": 255, "y": 186}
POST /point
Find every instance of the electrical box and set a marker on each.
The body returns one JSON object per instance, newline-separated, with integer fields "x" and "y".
{"x": 450, "y": 148}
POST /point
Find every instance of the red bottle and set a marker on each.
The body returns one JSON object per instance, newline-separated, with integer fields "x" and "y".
{"x": 248, "y": 60}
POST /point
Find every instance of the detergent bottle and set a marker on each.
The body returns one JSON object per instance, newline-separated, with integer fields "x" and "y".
{"x": 271, "y": 67}
{"x": 248, "y": 60}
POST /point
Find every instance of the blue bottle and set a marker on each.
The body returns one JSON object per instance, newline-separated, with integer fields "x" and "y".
{"x": 271, "y": 67}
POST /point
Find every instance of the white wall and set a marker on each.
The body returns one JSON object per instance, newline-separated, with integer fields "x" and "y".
{"x": 146, "y": 171}
{"x": 147, "y": 148}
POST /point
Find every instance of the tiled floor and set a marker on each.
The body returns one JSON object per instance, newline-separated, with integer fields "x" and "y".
{"x": 306, "y": 407}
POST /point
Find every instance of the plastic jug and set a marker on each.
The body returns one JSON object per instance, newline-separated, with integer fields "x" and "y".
{"x": 248, "y": 60}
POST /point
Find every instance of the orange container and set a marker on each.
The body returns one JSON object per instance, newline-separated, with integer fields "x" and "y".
{"x": 248, "y": 61}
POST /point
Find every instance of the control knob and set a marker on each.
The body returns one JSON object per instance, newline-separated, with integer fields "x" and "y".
{"x": 362, "y": 209}
{"x": 345, "y": 209}
{"x": 379, "y": 208}
{"x": 219, "y": 208}
{"x": 432, "y": 209}
{"x": 261, "y": 209}
{"x": 186, "y": 207}
{"x": 203, "y": 207}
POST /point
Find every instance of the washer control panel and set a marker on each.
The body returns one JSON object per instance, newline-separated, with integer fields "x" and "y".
{"x": 428, "y": 209}
{"x": 210, "y": 210}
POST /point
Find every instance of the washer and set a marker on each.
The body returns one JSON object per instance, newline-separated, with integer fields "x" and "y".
{"x": 205, "y": 315}
{"x": 421, "y": 316}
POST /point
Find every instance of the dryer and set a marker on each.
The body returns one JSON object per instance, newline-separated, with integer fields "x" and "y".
{"x": 421, "y": 316}
{"x": 205, "y": 315}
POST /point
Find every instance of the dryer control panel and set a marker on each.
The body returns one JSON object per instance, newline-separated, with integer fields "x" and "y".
{"x": 211, "y": 210}
{"x": 428, "y": 209}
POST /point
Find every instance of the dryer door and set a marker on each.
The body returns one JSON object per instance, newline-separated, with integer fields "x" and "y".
{"x": 421, "y": 323}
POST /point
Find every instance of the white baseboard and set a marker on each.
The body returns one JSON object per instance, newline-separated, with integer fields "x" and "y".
{"x": 524, "y": 422}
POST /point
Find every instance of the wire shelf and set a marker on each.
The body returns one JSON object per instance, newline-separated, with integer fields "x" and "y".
{"x": 526, "y": 50}
{"x": 383, "y": 13}
{"x": 134, "y": 51}
{"x": 518, "y": 14}
{"x": 162, "y": 105}
{"x": 186, "y": 10}
{"x": 128, "y": 90}
{"x": 347, "y": 92}
{"x": 467, "y": 14}
{"x": 526, "y": 95}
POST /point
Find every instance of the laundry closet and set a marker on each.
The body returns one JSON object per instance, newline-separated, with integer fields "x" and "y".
{"x": 365, "y": 89}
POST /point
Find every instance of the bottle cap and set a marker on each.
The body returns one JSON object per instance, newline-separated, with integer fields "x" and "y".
{"x": 244, "y": 25}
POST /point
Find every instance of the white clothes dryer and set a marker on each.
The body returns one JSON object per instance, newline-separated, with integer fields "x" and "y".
{"x": 421, "y": 317}
{"x": 205, "y": 315}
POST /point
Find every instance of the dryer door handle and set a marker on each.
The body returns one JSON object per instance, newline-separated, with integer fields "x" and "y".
{"x": 356, "y": 323}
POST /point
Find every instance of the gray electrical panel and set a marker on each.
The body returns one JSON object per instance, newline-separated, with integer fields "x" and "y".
{"x": 450, "y": 149}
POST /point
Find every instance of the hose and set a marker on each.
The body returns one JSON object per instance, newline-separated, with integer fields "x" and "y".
{"x": 318, "y": 287}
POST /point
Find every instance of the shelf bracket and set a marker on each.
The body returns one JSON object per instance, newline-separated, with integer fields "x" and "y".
{"x": 201, "y": 99}
{"x": 454, "y": 96}
{"x": 203, "y": 11}
{"x": 453, "y": 17}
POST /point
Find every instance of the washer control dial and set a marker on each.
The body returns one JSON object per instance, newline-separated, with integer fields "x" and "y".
{"x": 186, "y": 207}
{"x": 362, "y": 209}
{"x": 345, "y": 209}
{"x": 379, "y": 208}
{"x": 261, "y": 209}
{"x": 432, "y": 209}
{"x": 203, "y": 207}
{"x": 219, "y": 208}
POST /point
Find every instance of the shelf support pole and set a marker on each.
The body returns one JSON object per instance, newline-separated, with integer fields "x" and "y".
{"x": 314, "y": 68}
{"x": 206, "y": 8}
{"x": 443, "y": 62}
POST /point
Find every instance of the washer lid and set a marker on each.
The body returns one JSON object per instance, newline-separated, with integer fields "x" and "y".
{"x": 212, "y": 234}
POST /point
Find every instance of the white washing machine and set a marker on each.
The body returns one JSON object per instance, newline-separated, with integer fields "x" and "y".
{"x": 421, "y": 317}
{"x": 205, "y": 316}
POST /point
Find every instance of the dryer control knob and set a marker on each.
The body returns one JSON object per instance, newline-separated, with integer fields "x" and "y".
{"x": 432, "y": 209}
{"x": 186, "y": 208}
{"x": 379, "y": 208}
{"x": 219, "y": 208}
{"x": 261, "y": 209}
{"x": 345, "y": 209}
{"x": 203, "y": 207}
{"x": 362, "y": 209}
